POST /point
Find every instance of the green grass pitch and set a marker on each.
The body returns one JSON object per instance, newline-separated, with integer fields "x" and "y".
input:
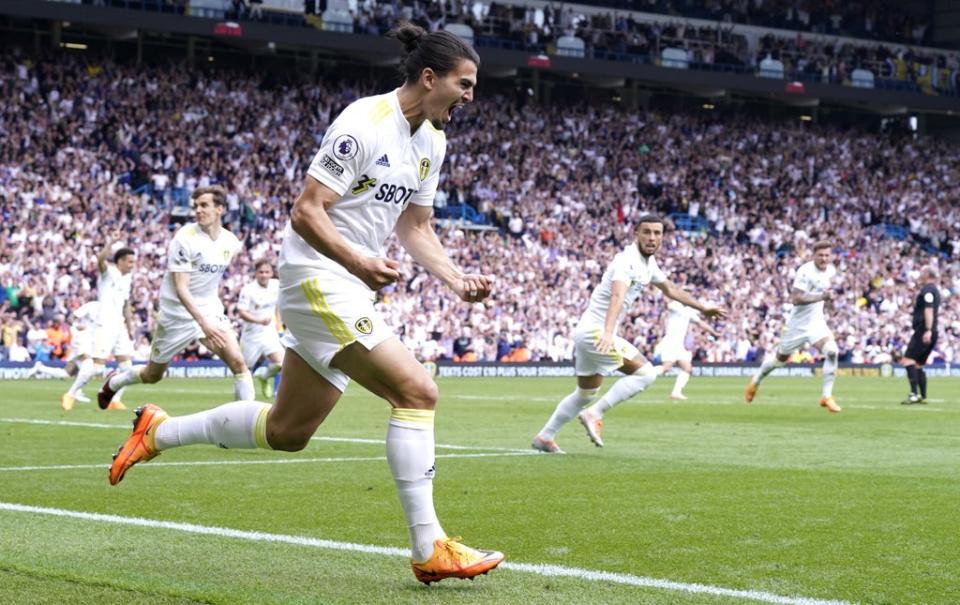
{"x": 779, "y": 498}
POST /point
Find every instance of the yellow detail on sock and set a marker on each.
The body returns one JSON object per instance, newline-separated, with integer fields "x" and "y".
{"x": 422, "y": 418}
{"x": 260, "y": 429}
{"x": 243, "y": 376}
{"x": 138, "y": 375}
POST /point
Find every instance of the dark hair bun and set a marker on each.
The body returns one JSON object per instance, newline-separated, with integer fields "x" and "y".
{"x": 409, "y": 35}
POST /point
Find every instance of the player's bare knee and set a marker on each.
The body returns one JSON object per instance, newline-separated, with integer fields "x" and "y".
{"x": 419, "y": 392}
{"x": 287, "y": 439}
{"x": 148, "y": 376}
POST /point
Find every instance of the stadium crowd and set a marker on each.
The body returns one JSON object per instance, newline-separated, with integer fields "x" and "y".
{"x": 622, "y": 37}
{"x": 88, "y": 148}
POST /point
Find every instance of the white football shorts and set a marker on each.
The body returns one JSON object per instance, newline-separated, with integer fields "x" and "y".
{"x": 323, "y": 314}
{"x": 174, "y": 334}
{"x": 82, "y": 344}
{"x": 794, "y": 337}
{"x": 111, "y": 339}
{"x": 674, "y": 351}
{"x": 589, "y": 361}
{"x": 259, "y": 344}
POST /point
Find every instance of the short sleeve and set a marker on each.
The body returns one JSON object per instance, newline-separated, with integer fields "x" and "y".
{"x": 657, "y": 276}
{"x": 620, "y": 269}
{"x": 929, "y": 299}
{"x": 179, "y": 255}
{"x": 246, "y": 301}
{"x": 800, "y": 280}
{"x": 428, "y": 186}
{"x": 344, "y": 153}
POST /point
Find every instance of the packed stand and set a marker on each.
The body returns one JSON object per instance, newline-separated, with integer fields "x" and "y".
{"x": 620, "y": 36}
{"x": 564, "y": 188}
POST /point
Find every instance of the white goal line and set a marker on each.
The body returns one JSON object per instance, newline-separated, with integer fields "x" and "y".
{"x": 531, "y": 568}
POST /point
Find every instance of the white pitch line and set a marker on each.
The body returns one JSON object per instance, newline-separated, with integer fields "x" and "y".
{"x": 68, "y": 467}
{"x": 99, "y": 425}
{"x": 532, "y": 568}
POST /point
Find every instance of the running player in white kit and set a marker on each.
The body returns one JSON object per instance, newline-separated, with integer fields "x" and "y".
{"x": 600, "y": 351}
{"x": 82, "y": 320}
{"x": 259, "y": 338}
{"x": 376, "y": 172}
{"x": 672, "y": 347}
{"x": 807, "y": 324}
{"x": 190, "y": 306}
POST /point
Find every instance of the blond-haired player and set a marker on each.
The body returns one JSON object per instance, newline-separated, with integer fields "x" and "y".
{"x": 259, "y": 339}
{"x": 806, "y": 324}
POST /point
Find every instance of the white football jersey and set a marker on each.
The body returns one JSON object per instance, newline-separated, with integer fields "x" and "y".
{"x": 371, "y": 160}
{"x": 810, "y": 280}
{"x": 629, "y": 267}
{"x": 260, "y": 302}
{"x": 113, "y": 291}
{"x": 192, "y": 251}
{"x": 679, "y": 317}
{"x": 85, "y": 316}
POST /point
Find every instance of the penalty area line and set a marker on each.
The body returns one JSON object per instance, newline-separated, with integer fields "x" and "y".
{"x": 535, "y": 569}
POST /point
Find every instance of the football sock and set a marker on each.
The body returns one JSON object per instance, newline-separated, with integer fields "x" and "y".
{"x": 87, "y": 371}
{"x": 125, "y": 378}
{"x": 243, "y": 386}
{"x": 914, "y": 378}
{"x": 682, "y": 378}
{"x": 624, "y": 389}
{"x": 239, "y": 424}
{"x": 123, "y": 366}
{"x": 770, "y": 364}
{"x": 568, "y": 407}
{"x": 267, "y": 372}
{"x": 829, "y": 374}
{"x": 411, "y": 458}
{"x": 922, "y": 382}
{"x": 51, "y": 372}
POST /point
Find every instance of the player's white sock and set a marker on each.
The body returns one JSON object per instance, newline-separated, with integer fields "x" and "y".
{"x": 829, "y": 368}
{"x": 624, "y": 389}
{"x": 769, "y": 364}
{"x": 568, "y": 407}
{"x": 682, "y": 378}
{"x": 243, "y": 386}
{"x": 126, "y": 378}
{"x": 239, "y": 424}
{"x": 88, "y": 369}
{"x": 411, "y": 458}
{"x": 267, "y": 372}
{"x": 123, "y": 366}
{"x": 43, "y": 370}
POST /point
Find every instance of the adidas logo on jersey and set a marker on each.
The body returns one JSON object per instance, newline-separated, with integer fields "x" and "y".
{"x": 383, "y": 161}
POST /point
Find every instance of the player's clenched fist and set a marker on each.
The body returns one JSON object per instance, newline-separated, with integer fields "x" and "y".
{"x": 474, "y": 287}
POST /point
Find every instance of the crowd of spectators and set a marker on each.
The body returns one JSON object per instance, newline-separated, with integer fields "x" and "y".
{"x": 88, "y": 148}
{"x": 874, "y": 19}
{"x": 893, "y": 58}
{"x": 620, "y": 36}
